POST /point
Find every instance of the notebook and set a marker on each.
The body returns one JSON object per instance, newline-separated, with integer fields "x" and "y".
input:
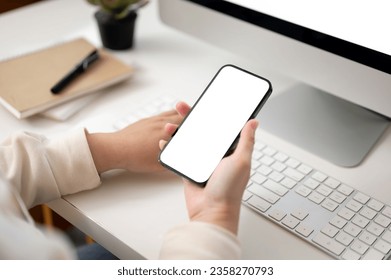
{"x": 25, "y": 81}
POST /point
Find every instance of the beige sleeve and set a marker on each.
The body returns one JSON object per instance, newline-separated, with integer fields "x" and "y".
{"x": 197, "y": 240}
{"x": 42, "y": 170}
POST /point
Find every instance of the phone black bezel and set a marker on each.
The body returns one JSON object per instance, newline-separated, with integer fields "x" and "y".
{"x": 233, "y": 145}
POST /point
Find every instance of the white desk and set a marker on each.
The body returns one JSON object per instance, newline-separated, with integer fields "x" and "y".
{"x": 130, "y": 213}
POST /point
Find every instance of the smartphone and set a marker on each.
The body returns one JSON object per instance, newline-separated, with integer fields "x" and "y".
{"x": 211, "y": 129}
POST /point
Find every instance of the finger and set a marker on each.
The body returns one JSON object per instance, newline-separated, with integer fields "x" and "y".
{"x": 182, "y": 108}
{"x": 170, "y": 128}
{"x": 168, "y": 113}
{"x": 247, "y": 139}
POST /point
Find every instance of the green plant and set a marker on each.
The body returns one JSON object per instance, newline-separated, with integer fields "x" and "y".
{"x": 117, "y": 8}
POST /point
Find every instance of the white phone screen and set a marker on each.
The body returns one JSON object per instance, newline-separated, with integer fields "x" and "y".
{"x": 204, "y": 137}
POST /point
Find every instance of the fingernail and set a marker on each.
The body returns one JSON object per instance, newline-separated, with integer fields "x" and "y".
{"x": 162, "y": 143}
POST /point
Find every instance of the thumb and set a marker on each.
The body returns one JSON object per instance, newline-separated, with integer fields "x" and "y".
{"x": 247, "y": 139}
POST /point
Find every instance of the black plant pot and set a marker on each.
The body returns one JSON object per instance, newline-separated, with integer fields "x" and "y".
{"x": 116, "y": 34}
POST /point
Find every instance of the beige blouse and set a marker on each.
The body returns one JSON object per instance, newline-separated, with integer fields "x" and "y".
{"x": 35, "y": 170}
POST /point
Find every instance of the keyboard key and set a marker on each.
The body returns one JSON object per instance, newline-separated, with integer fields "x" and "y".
{"x": 344, "y": 238}
{"x": 329, "y": 244}
{"x": 280, "y": 157}
{"x": 332, "y": 183}
{"x": 367, "y": 237}
{"x": 256, "y": 154}
{"x": 375, "y": 229}
{"x": 346, "y": 213}
{"x": 360, "y": 221}
{"x": 269, "y": 151}
{"x": 277, "y": 214}
{"x": 316, "y": 197}
{"x": 375, "y": 205}
{"x": 275, "y": 176}
{"x": 352, "y": 229}
{"x": 362, "y": 198}
{"x": 354, "y": 205}
{"x": 259, "y": 203}
{"x": 303, "y": 191}
{"x": 337, "y": 197}
{"x": 258, "y": 178}
{"x": 387, "y": 236}
{"x": 359, "y": 246}
{"x": 350, "y": 255}
{"x": 264, "y": 193}
{"x": 274, "y": 187}
{"x": 265, "y": 170}
{"x": 266, "y": 160}
{"x": 346, "y": 190}
{"x": 311, "y": 183}
{"x": 278, "y": 166}
{"x": 305, "y": 169}
{"x": 329, "y": 205}
{"x": 373, "y": 254}
{"x": 259, "y": 145}
{"x": 246, "y": 195}
{"x": 255, "y": 164}
{"x": 383, "y": 246}
{"x": 368, "y": 213}
{"x": 293, "y": 174}
{"x": 322, "y": 189}
{"x": 330, "y": 230}
{"x": 290, "y": 221}
{"x": 387, "y": 212}
{"x": 338, "y": 222}
{"x": 304, "y": 229}
{"x": 383, "y": 220}
{"x": 287, "y": 182}
{"x": 320, "y": 177}
{"x": 301, "y": 214}
{"x": 292, "y": 163}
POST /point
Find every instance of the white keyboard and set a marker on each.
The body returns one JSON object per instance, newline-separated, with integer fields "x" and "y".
{"x": 151, "y": 108}
{"x": 320, "y": 209}
{"x": 331, "y": 215}
{"x": 108, "y": 123}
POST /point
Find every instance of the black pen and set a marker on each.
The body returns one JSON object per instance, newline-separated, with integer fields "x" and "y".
{"x": 76, "y": 71}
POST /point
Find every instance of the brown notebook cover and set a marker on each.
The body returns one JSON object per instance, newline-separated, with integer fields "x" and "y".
{"x": 25, "y": 81}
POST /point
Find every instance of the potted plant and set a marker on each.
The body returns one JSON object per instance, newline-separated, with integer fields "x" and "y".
{"x": 116, "y": 21}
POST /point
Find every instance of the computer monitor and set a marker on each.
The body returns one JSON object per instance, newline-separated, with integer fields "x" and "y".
{"x": 339, "y": 52}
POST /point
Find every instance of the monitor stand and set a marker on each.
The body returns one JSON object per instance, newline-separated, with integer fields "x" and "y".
{"x": 323, "y": 124}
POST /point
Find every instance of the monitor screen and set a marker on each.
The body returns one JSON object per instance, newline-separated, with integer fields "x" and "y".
{"x": 337, "y": 52}
{"x": 356, "y": 30}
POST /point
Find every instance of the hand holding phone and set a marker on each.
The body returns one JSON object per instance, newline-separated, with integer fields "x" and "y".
{"x": 213, "y": 125}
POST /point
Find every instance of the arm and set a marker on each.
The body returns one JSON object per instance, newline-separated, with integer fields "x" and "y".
{"x": 135, "y": 148}
{"x": 41, "y": 170}
{"x": 38, "y": 170}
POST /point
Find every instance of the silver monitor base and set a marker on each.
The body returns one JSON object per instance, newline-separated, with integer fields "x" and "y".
{"x": 334, "y": 129}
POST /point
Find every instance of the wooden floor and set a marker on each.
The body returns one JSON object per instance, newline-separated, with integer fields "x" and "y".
{"x": 8, "y": 5}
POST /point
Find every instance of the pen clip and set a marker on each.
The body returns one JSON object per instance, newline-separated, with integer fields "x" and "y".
{"x": 93, "y": 56}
